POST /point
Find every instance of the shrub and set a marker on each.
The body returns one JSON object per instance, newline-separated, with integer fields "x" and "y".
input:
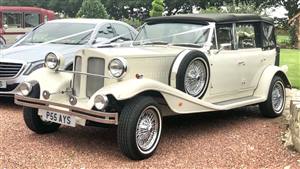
{"x": 92, "y": 9}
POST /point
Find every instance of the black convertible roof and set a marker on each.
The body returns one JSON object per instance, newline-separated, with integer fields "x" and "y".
{"x": 205, "y": 18}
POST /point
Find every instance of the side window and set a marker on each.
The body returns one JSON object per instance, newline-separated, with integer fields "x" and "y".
{"x": 12, "y": 19}
{"x": 123, "y": 31}
{"x": 31, "y": 20}
{"x": 268, "y": 36}
{"x": 224, "y": 35}
{"x": 106, "y": 31}
{"x": 246, "y": 36}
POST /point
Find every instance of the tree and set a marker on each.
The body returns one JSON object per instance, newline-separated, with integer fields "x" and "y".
{"x": 92, "y": 9}
{"x": 157, "y": 8}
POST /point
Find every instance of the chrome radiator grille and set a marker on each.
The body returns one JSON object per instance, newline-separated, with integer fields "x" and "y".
{"x": 93, "y": 83}
{"x": 9, "y": 69}
{"x": 77, "y": 77}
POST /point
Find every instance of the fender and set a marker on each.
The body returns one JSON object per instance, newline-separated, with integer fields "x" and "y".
{"x": 59, "y": 81}
{"x": 263, "y": 86}
{"x": 178, "y": 101}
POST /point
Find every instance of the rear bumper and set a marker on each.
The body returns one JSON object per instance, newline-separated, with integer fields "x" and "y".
{"x": 96, "y": 116}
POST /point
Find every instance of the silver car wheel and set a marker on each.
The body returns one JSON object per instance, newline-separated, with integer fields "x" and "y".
{"x": 148, "y": 129}
{"x": 195, "y": 77}
{"x": 278, "y": 97}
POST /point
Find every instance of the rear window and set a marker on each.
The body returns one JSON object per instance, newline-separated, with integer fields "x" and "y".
{"x": 268, "y": 36}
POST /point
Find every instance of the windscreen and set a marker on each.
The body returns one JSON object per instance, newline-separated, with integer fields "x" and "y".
{"x": 51, "y": 31}
{"x": 173, "y": 33}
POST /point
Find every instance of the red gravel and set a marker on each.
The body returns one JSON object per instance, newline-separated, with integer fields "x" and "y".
{"x": 234, "y": 139}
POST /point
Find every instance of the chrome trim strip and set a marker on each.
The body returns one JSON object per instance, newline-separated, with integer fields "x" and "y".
{"x": 96, "y": 116}
{"x": 176, "y": 66}
{"x": 83, "y": 73}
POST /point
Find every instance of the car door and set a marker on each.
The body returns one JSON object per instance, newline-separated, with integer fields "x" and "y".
{"x": 249, "y": 47}
{"x": 225, "y": 66}
{"x": 255, "y": 59}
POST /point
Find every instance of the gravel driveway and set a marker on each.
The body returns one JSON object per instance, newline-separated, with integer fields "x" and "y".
{"x": 240, "y": 138}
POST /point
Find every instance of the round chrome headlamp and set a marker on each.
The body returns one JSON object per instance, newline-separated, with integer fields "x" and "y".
{"x": 117, "y": 67}
{"x": 52, "y": 61}
{"x": 25, "y": 88}
{"x": 100, "y": 102}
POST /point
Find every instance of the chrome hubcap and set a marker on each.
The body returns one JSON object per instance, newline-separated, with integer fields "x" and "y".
{"x": 278, "y": 97}
{"x": 148, "y": 129}
{"x": 195, "y": 77}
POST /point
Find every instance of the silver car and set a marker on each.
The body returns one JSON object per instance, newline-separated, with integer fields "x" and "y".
{"x": 65, "y": 36}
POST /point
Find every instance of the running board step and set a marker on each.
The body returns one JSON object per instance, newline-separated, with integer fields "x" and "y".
{"x": 241, "y": 101}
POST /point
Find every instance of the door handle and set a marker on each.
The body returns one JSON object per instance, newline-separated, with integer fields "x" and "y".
{"x": 242, "y": 63}
{"x": 263, "y": 60}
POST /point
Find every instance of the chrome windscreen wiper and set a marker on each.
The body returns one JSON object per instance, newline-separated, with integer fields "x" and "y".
{"x": 155, "y": 43}
{"x": 188, "y": 45}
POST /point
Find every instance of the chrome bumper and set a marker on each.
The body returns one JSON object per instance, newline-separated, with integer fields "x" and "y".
{"x": 100, "y": 117}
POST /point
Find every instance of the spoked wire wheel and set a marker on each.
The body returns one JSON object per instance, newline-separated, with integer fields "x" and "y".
{"x": 278, "y": 96}
{"x": 195, "y": 78}
{"x": 148, "y": 129}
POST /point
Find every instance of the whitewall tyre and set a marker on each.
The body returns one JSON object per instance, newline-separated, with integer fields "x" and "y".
{"x": 139, "y": 128}
{"x": 275, "y": 104}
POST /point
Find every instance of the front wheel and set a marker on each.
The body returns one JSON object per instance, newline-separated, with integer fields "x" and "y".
{"x": 139, "y": 128}
{"x": 33, "y": 121}
{"x": 274, "y": 106}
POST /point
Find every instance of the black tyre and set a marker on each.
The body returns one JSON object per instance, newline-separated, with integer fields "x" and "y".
{"x": 33, "y": 121}
{"x": 139, "y": 128}
{"x": 274, "y": 105}
{"x": 2, "y": 42}
{"x": 193, "y": 74}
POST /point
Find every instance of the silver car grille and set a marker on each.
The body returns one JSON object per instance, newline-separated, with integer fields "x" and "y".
{"x": 77, "y": 77}
{"x": 93, "y": 83}
{"x": 9, "y": 69}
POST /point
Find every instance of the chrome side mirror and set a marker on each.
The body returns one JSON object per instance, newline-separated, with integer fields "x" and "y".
{"x": 224, "y": 46}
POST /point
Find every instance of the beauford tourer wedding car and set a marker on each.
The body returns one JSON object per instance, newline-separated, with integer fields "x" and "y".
{"x": 177, "y": 65}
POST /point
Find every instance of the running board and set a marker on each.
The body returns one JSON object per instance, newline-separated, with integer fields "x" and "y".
{"x": 235, "y": 103}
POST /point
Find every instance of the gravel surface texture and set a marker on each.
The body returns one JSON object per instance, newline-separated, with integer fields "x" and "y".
{"x": 240, "y": 138}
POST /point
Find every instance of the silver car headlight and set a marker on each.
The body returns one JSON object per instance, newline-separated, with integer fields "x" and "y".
{"x": 117, "y": 67}
{"x": 100, "y": 102}
{"x": 52, "y": 61}
{"x": 25, "y": 88}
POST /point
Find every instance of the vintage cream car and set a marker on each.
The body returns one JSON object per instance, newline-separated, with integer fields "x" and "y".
{"x": 177, "y": 65}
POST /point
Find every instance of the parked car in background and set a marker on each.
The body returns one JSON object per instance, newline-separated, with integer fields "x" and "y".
{"x": 18, "y": 20}
{"x": 179, "y": 65}
{"x": 65, "y": 36}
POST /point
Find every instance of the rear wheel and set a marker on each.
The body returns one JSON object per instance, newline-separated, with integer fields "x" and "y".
{"x": 274, "y": 106}
{"x": 139, "y": 128}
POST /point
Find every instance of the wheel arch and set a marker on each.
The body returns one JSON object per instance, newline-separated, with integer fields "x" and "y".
{"x": 266, "y": 79}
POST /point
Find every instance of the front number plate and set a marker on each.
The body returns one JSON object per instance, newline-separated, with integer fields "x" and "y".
{"x": 59, "y": 118}
{"x": 3, "y": 84}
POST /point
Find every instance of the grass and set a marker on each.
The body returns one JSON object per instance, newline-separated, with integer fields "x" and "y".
{"x": 291, "y": 57}
{"x": 281, "y": 39}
